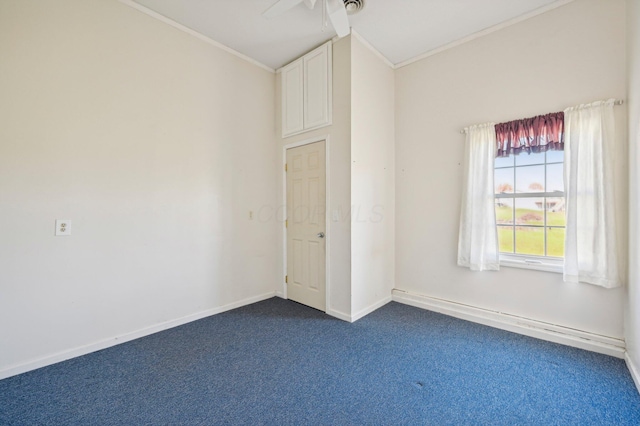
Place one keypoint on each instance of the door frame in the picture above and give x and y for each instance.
(327, 227)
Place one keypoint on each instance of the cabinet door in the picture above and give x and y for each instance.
(292, 98)
(316, 87)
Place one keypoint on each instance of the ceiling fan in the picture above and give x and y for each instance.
(333, 9)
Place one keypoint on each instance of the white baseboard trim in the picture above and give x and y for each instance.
(112, 341)
(366, 311)
(635, 373)
(529, 327)
(339, 315)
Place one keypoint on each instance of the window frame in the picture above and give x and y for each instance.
(528, 261)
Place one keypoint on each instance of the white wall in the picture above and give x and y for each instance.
(567, 56)
(632, 323)
(338, 232)
(156, 145)
(372, 179)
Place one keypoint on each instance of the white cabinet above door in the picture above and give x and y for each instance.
(306, 92)
(292, 98)
(316, 89)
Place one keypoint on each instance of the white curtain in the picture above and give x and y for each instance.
(590, 242)
(478, 238)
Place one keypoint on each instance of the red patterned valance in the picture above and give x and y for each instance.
(536, 134)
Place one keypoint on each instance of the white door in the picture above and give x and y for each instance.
(306, 245)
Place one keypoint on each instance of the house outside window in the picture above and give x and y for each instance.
(530, 209)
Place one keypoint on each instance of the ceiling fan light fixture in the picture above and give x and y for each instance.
(353, 6)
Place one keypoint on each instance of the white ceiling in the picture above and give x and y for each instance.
(399, 29)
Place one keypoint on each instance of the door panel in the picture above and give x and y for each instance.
(306, 250)
(292, 98)
(316, 90)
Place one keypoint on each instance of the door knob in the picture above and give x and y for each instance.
(320, 234)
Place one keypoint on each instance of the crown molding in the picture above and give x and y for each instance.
(196, 34)
(486, 31)
(369, 46)
(456, 43)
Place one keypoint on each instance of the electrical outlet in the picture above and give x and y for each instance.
(63, 227)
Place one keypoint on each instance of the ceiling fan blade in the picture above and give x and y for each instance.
(280, 7)
(338, 17)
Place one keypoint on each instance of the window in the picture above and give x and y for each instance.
(530, 209)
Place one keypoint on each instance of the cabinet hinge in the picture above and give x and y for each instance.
(286, 223)
(285, 167)
(286, 279)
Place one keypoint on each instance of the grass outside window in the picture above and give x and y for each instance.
(530, 204)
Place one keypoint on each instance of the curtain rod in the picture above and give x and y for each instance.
(616, 102)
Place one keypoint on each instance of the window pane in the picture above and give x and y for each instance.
(555, 242)
(534, 158)
(504, 210)
(530, 211)
(530, 179)
(531, 226)
(555, 156)
(505, 238)
(530, 241)
(555, 178)
(556, 212)
(503, 180)
(504, 161)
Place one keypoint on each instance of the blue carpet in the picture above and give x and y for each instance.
(279, 363)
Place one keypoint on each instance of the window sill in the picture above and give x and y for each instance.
(532, 262)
